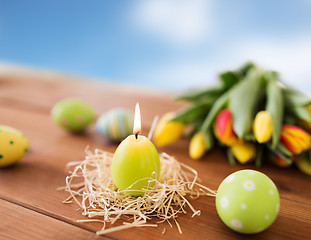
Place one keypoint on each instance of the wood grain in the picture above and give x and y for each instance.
(25, 103)
(17, 222)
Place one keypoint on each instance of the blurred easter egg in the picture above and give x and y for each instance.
(247, 201)
(73, 114)
(116, 124)
(13, 145)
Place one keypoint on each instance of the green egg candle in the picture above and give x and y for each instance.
(135, 162)
(247, 201)
(73, 114)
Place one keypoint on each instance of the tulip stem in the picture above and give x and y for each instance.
(258, 160)
(218, 105)
(230, 157)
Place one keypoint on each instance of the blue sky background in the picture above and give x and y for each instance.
(165, 44)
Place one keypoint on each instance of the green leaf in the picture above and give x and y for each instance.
(207, 99)
(208, 139)
(289, 119)
(300, 112)
(295, 104)
(229, 79)
(245, 68)
(218, 105)
(250, 137)
(198, 95)
(244, 98)
(281, 155)
(192, 113)
(275, 106)
(286, 158)
(280, 149)
(295, 97)
(283, 150)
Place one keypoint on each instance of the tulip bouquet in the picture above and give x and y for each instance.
(251, 113)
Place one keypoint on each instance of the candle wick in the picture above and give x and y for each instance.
(136, 135)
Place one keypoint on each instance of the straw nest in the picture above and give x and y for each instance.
(90, 186)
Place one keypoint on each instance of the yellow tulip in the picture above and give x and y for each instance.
(243, 151)
(303, 165)
(167, 131)
(197, 146)
(262, 126)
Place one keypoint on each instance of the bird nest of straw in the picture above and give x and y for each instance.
(90, 185)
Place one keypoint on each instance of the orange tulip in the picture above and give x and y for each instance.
(295, 139)
(281, 162)
(224, 127)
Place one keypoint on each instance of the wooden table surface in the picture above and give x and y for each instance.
(31, 208)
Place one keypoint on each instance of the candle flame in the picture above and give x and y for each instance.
(137, 120)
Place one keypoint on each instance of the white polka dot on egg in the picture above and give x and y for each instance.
(243, 206)
(224, 202)
(229, 178)
(236, 224)
(249, 185)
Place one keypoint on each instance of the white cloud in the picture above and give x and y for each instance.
(291, 57)
(178, 21)
(177, 76)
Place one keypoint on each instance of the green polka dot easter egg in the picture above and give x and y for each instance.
(13, 145)
(116, 124)
(73, 114)
(247, 201)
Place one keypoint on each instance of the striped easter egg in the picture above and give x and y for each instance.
(116, 124)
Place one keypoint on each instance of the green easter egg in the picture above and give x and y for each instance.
(247, 201)
(116, 124)
(72, 114)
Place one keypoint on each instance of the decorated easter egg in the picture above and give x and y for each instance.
(13, 145)
(247, 201)
(116, 124)
(72, 114)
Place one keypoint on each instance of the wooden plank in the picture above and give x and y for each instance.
(26, 92)
(42, 172)
(56, 143)
(20, 223)
(35, 178)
